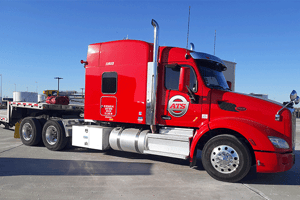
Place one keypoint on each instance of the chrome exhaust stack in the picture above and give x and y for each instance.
(152, 81)
(155, 44)
(155, 63)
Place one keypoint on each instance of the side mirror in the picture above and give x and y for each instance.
(297, 100)
(184, 79)
(229, 85)
(293, 95)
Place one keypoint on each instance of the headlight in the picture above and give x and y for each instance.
(279, 143)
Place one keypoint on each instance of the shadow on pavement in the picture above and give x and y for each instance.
(136, 156)
(291, 177)
(8, 129)
(48, 167)
(129, 155)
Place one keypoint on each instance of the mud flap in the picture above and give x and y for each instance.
(17, 127)
(193, 162)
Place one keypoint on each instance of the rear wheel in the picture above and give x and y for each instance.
(54, 137)
(30, 131)
(42, 121)
(226, 158)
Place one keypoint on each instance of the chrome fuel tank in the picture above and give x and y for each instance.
(132, 140)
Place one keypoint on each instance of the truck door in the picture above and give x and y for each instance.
(177, 107)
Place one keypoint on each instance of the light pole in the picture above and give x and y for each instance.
(58, 82)
(82, 91)
(15, 87)
(36, 86)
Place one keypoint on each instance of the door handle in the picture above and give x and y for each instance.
(165, 117)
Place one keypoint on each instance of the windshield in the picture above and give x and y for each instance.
(212, 74)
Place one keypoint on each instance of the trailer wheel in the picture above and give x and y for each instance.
(42, 121)
(6, 126)
(30, 131)
(54, 137)
(226, 158)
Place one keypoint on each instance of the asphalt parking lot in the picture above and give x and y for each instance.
(79, 173)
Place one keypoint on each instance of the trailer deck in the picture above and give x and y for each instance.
(12, 114)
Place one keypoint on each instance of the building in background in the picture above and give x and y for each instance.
(25, 96)
(230, 73)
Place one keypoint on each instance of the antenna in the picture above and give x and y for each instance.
(215, 42)
(187, 39)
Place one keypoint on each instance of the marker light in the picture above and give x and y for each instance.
(83, 62)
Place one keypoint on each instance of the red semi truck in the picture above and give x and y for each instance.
(171, 101)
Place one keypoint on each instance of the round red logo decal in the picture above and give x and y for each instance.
(178, 106)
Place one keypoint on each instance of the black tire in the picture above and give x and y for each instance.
(54, 137)
(30, 131)
(6, 126)
(42, 121)
(226, 158)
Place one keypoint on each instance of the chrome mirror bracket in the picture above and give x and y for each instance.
(294, 99)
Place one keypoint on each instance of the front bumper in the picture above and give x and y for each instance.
(270, 162)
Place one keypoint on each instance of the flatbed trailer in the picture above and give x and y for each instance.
(16, 111)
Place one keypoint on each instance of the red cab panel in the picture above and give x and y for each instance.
(116, 81)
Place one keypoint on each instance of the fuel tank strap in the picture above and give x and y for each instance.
(136, 141)
(119, 138)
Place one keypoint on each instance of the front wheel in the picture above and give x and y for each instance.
(54, 137)
(226, 158)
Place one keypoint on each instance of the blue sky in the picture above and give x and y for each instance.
(40, 40)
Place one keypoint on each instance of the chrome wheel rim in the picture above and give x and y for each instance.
(27, 131)
(224, 159)
(51, 135)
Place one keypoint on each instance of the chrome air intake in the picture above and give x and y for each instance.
(192, 47)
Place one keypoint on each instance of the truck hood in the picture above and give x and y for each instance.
(237, 106)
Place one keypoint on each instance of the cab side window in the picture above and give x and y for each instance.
(109, 82)
(172, 78)
(172, 74)
(193, 81)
